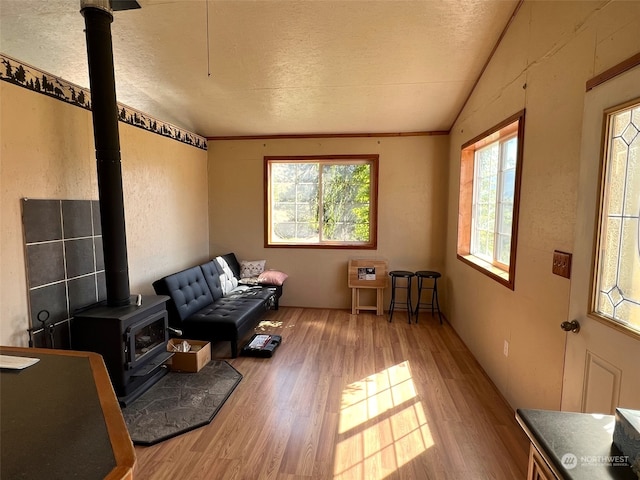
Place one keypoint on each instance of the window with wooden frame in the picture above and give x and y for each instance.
(325, 201)
(616, 291)
(490, 171)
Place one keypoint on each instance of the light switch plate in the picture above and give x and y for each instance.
(561, 264)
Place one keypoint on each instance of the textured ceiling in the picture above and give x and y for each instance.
(236, 68)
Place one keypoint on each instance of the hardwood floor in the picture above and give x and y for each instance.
(351, 397)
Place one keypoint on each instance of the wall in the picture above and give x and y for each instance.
(548, 54)
(411, 221)
(47, 152)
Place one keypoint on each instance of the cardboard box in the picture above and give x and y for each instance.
(191, 361)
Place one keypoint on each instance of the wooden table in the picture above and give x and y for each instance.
(60, 419)
(367, 274)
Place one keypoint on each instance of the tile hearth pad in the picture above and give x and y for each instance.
(180, 402)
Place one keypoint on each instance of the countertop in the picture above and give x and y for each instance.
(576, 446)
(61, 420)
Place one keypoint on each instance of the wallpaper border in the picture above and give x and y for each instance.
(39, 81)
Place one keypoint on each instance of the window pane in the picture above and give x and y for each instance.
(307, 172)
(284, 213)
(618, 272)
(284, 192)
(616, 180)
(609, 262)
(337, 231)
(505, 219)
(632, 197)
(487, 190)
(629, 265)
(484, 245)
(488, 246)
(482, 221)
(306, 214)
(283, 172)
(345, 200)
(629, 313)
(507, 185)
(306, 232)
(307, 193)
(294, 201)
(620, 122)
(510, 154)
(494, 184)
(504, 248)
(284, 231)
(487, 161)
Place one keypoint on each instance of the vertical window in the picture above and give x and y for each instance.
(322, 201)
(617, 277)
(490, 168)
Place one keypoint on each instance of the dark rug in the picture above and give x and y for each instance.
(180, 402)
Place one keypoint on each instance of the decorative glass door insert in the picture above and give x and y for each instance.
(617, 287)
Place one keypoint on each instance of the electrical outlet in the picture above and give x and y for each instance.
(561, 264)
(506, 348)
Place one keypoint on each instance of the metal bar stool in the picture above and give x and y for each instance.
(395, 276)
(428, 274)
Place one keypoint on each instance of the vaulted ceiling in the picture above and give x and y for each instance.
(270, 67)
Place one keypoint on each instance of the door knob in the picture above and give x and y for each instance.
(572, 326)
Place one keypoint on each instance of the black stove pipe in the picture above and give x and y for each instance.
(98, 18)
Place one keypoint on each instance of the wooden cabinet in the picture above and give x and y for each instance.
(538, 469)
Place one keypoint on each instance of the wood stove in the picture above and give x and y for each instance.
(130, 333)
(132, 340)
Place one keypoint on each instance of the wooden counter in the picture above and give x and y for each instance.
(60, 418)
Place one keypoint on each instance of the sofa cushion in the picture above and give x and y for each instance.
(232, 317)
(212, 271)
(188, 290)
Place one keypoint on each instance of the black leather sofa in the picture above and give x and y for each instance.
(207, 302)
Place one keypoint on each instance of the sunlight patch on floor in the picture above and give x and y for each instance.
(265, 324)
(382, 425)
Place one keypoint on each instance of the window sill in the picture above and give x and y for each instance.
(489, 270)
(349, 246)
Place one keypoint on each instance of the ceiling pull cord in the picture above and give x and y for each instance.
(208, 54)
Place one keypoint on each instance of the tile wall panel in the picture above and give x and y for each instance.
(65, 264)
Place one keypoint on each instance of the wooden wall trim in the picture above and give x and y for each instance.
(328, 135)
(614, 71)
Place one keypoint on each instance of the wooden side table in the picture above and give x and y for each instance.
(367, 274)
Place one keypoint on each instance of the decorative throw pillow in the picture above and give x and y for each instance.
(272, 277)
(251, 268)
